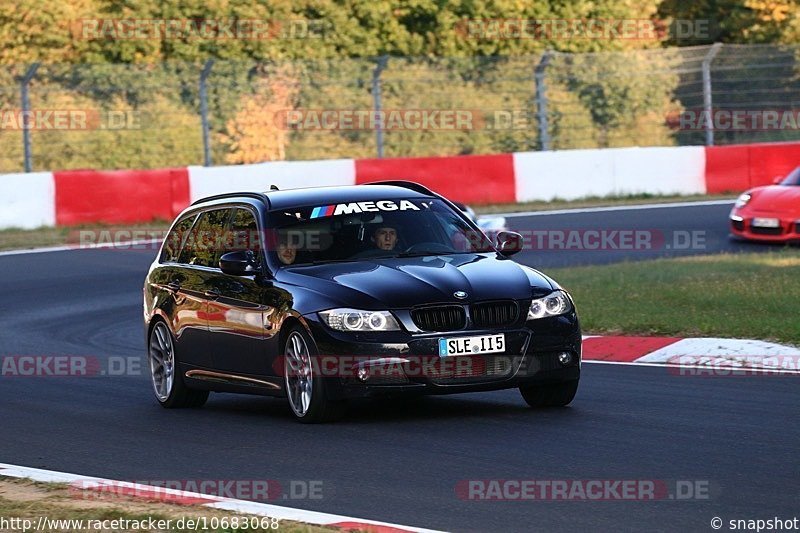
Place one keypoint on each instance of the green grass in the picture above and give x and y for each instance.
(594, 201)
(23, 499)
(21, 239)
(734, 295)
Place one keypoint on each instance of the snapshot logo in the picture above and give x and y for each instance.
(362, 207)
(736, 366)
(585, 29)
(736, 120)
(44, 366)
(173, 490)
(581, 489)
(69, 119)
(200, 29)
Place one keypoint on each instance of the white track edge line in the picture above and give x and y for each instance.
(631, 207)
(230, 504)
(46, 249)
(754, 369)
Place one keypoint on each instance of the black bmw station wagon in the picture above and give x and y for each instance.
(325, 294)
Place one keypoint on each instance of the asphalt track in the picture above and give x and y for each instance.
(399, 461)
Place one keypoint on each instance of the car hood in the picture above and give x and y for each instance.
(778, 199)
(406, 282)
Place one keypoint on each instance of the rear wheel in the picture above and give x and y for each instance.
(168, 385)
(550, 395)
(305, 390)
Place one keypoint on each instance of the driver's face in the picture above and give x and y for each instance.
(386, 238)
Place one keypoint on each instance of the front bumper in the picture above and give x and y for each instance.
(741, 225)
(395, 363)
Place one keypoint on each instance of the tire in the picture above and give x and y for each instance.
(552, 395)
(306, 393)
(168, 386)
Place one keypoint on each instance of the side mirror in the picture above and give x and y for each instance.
(777, 179)
(241, 263)
(509, 242)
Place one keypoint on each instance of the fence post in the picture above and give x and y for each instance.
(712, 53)
(204, 112)
(541, 100)
(376, 99)
(26, 109)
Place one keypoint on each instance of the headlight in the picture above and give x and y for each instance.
(742, 200)
(555, 303)
(355, 320)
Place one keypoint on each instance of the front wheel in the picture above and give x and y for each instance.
(168, 384)
(305, 390)
(550, 395)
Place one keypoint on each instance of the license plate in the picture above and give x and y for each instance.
(766, 222)
(472, 345)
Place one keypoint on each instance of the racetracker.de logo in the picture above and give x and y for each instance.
(585, 29)
(46, 366)
(709, 366)
(735, 120)
(581, 489)
(69, 119)
(174, 490)
(121, 29)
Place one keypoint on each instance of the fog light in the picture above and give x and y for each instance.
(362, 374)
(565, 358)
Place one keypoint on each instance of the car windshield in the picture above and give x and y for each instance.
(793, 178)
(396, 227)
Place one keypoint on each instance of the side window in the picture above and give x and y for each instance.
(243, 233)
(176, 238)
(206, 239)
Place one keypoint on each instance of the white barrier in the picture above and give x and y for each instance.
(571, 174)
(206, 181)
(27, 200)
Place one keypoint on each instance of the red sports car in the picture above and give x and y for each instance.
(770, 212)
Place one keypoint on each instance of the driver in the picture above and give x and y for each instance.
(385, 237)
(287, 250)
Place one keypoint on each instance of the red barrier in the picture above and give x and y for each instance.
(474, 179)
(736, 168)
(120, 196)
(767, 161)
(727, 169)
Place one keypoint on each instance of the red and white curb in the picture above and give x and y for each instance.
(72, 197)
(166, 495)
(694, 352)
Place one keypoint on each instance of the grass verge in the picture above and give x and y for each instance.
(22, 239)
(732, 295)
(28, 500)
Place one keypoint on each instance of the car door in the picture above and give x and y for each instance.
(191, 285)
(239, 306)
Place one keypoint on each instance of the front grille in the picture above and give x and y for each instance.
(766, 231)
(494, 314)
(439, 318)
(474, 369)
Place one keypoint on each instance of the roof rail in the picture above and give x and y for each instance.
(257, 195)
(412, 185)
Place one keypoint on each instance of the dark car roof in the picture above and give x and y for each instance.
(329, 195)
